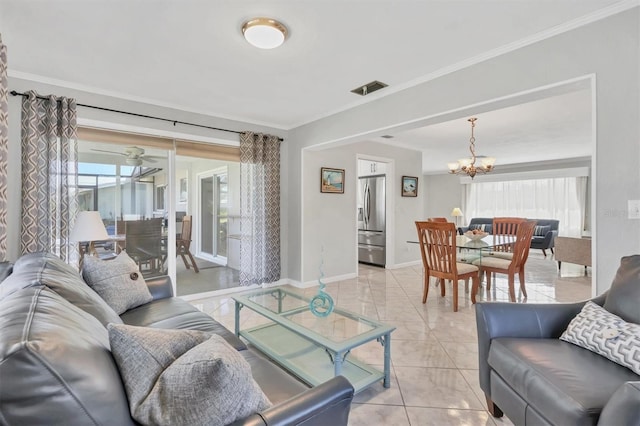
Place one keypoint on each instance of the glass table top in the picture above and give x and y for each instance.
(339, 330)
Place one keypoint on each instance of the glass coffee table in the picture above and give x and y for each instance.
(313, 348)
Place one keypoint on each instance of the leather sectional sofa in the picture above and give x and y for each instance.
(535, 378)
(541, 242)
(55, 367)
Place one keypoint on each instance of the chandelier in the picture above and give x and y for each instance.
(467, 166)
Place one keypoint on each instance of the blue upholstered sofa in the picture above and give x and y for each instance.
(543, 237)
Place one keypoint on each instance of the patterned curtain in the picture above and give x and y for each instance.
(49, 175)
(4, 149)
(259, 208)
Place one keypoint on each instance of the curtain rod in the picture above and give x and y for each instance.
(15, 93)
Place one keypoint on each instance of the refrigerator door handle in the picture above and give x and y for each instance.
(368, 203)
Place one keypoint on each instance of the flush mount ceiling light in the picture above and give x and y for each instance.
(467, 166)
(264, 33)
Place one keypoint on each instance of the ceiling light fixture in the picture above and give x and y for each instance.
(264, 33)
(467, 166)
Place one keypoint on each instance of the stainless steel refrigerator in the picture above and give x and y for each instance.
(372, 220)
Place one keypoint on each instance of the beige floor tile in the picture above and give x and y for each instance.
(374, 414)
(448, 417)
(436, 388)
(464, 355)
(419, 353)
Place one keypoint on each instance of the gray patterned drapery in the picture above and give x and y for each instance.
(49, 175)
(4, 148)
(259, 208)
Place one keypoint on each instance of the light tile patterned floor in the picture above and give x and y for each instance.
(434, 350)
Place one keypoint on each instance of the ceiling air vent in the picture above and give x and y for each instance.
(369, 88)
(387, 136)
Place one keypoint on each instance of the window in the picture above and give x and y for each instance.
(555, 198)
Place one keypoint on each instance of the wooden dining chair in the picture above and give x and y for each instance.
(183, 244)
(438, 219)
(511, 267)
(504, 230)
(438, 249)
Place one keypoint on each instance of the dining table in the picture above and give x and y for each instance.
(470, 250)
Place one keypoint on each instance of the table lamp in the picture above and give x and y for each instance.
(88, 228)
(456, 213)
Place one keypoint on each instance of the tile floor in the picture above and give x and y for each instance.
(433, 350)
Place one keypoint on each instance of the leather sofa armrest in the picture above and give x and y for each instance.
(160, 287)
(549, 239)
(623, 408)
(543, 321)
(326, 404)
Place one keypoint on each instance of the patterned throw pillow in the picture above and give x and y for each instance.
(541, 230)
(118, 281)
(606, 334)
(183, 377)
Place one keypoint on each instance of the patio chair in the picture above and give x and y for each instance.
(183, 244)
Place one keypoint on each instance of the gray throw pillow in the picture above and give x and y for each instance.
(118, 281)
(183, 377)
(541, 230)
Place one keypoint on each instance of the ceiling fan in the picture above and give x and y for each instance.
(134, 155)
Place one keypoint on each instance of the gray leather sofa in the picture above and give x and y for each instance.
(56, 367)
(541, 242)
(535, 378)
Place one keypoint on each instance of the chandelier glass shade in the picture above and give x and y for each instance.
(467, 166)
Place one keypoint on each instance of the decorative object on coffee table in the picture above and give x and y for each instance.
(321, 304)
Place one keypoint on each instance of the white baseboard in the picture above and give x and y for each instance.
(326, 280)
(404, 265)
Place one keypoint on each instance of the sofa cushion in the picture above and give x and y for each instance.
(623, 298)
(37, 269)
(184, 377)
(275, 382)
(55, 364)
(178, 314)
(118, 281)
(541, 230)
(570, 385)
(606, 334)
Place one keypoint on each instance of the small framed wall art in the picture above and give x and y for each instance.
(409, 186)
(332, 180)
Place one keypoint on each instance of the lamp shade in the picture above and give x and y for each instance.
(88, 227)
(456, 212)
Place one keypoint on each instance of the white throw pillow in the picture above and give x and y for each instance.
(606, 334)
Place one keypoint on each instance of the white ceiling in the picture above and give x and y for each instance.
(190, 55)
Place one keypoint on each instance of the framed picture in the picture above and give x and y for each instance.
(409, 186)
(332, 180)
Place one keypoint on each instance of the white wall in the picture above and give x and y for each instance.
(442, 194)
(608, 49)
(330, 220)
